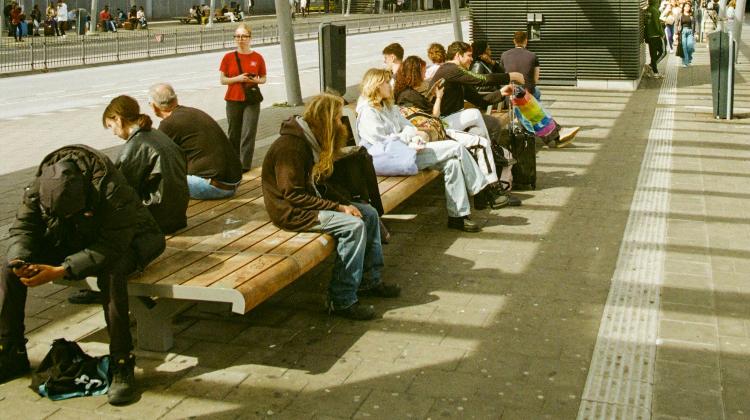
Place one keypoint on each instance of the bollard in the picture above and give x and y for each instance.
(83, 49)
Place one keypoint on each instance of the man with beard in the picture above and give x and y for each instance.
(301, 157)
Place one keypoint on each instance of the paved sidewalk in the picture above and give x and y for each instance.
(509, 323)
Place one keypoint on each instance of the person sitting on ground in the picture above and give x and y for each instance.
(436, 54)
(379, 120)
(393, 55)
(460, 86)
(409, 78)
(151, 162)
(482, 62)
(133, 17)
(141, 16)
(301, 156)
(107, 22)
(521, 60)
(79, 218)
(213, 167)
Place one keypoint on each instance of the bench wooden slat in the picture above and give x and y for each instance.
(406, 188)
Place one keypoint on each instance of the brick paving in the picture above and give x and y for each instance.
(500, 324)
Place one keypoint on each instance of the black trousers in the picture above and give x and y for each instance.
(243, 126)
(112, 281)
(656, 51)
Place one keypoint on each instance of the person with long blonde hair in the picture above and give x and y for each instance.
(302, 157)
(379, 120)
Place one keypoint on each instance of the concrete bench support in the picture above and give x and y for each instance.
(154, 321)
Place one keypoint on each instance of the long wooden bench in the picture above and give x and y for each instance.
(230, 252)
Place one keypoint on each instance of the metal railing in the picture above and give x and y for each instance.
(49, 52)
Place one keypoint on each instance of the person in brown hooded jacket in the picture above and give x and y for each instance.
(299, 159)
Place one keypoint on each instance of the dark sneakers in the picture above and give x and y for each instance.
(357, 312)
(489, 198)
(14, 361)
(463, 223)
(122, 389)
(513, 201)
(85, 297)
(382, 290)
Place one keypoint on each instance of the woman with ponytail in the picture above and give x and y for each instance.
(152, 163)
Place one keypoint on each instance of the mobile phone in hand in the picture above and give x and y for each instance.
(16, 264)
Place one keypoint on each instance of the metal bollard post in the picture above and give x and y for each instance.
(148, 43)
(44, 52)
(83, 49)
(201, 39)
(117, 46)
(32, 53)
(175, 41)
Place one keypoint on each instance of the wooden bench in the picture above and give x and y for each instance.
(231, 252)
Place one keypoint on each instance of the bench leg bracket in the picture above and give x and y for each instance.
(154, 321)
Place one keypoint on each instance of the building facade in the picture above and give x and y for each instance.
(587, 43)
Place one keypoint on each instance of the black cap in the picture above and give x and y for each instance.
(62, 189)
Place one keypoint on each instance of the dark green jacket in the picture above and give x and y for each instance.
(654, 27)
(113, 222)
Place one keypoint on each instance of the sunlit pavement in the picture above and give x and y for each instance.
(618, 290)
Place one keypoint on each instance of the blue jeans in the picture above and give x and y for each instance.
(537, 94)
(461, 174)
(688, 45)
(201, 189)
(359, 258)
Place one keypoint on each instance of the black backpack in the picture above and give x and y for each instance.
(68, 372)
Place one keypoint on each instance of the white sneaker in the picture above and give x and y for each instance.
(566, 137)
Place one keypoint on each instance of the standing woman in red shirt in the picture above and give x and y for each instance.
(242, 71)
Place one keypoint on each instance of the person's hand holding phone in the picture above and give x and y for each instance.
(22, 269)
(44, 274)
(244, 78)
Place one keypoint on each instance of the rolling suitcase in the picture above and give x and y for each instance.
(523, 148)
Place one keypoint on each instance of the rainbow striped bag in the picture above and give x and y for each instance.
(531, 114)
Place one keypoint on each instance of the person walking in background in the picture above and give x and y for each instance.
(654, 38)
(686, 29)
(62, 17)
(669, 20)
(242, 70)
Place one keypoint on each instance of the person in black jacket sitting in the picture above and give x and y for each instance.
(151, 162)
(79, 218)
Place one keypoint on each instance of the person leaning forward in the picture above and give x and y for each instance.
(213, 167)
(79, 218)
(301, 156)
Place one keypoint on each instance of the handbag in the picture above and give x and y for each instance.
(680, 52)
(393, 158)
(252, 92)
(423, 121)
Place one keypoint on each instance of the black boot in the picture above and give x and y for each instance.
(122, 389)
(14, 361)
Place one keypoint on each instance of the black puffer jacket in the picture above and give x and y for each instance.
(155, 166)
(113, 222)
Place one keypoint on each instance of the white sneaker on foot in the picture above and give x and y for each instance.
(566, 137)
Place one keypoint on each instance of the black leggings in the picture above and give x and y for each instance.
(656, 51)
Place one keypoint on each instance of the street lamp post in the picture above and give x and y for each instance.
(288, 52)
(456, 16)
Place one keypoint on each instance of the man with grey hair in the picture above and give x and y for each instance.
(214, 169)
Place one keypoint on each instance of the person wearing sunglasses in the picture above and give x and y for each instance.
(242, 70)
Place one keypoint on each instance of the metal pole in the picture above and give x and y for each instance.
(456, 16)
(94, 16)
(722, 15)
(211, 14)
(739, 20)
(2, 20)
(288, 52)
(149, 9)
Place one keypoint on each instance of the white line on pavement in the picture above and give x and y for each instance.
(621, 376)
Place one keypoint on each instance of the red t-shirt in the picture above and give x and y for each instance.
(251, 63)
(104, 15)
